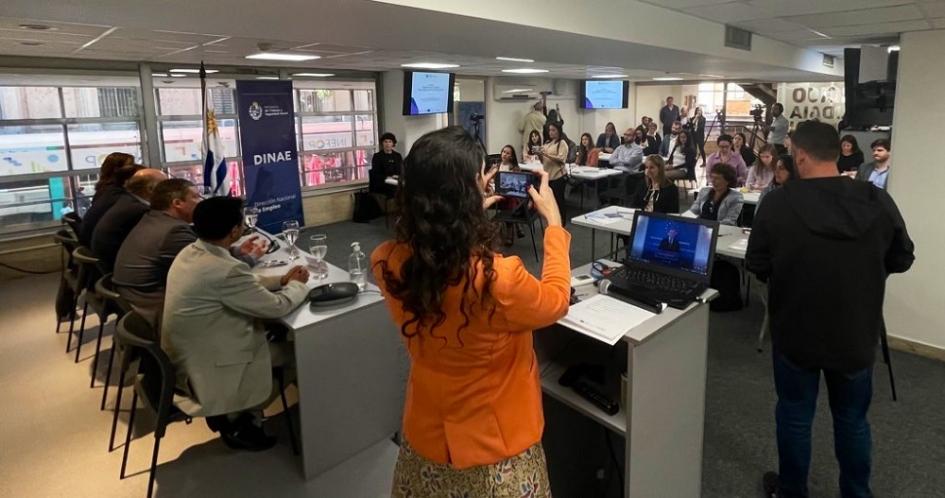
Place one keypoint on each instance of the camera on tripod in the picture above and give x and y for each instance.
(758, 113)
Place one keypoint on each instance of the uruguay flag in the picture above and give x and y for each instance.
(214, 165)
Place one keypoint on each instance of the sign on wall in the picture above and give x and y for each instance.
(267, 137)
(822, 101)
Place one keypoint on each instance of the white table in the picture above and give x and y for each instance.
(590, 174)
(751, 197)
(352, 371)
(603, 156)
(663, 419)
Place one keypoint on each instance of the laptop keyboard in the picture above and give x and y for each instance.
(660, 282)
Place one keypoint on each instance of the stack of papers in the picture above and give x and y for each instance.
(604, 318)
(739, 245)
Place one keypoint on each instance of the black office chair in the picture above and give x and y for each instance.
(68, 293)
(106, 302)
(88, 274)
(523, 215)
(155, 381)
(74, 221)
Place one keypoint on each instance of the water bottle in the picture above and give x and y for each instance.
(357, 265)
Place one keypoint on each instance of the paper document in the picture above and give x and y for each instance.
(739, 245)
(604, 318)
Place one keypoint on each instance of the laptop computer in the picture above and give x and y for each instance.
(669, 259)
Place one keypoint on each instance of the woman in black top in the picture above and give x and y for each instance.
(851, 157)
(740, 145)
(697, 128)
(656, 194)
(609, 140)
(386, 162)
(106, 175)
(653, 140)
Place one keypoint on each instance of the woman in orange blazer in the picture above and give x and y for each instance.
(473, 417)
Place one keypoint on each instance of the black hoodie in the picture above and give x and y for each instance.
(826, 246)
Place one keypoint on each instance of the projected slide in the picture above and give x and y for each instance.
(429, 93)
(603, 94)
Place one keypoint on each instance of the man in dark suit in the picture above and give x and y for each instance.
(104, 201)
(115, 225)
(140, 272)
(670, 242)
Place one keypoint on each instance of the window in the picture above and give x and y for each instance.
(52, 142)
(337, 135)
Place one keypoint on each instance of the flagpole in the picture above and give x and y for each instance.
(203, 122)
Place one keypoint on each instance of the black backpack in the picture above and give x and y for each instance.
(727, 280)
(366, 207)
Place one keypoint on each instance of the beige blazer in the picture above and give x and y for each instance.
(211, 332)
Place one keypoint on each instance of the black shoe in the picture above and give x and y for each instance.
(245, 435)
(770, 482)
(519, 233)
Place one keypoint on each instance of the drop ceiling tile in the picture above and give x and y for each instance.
(878, 28)
(60, 27)
(781, 8)
(43, 37)
(765, 27)
(859, 17)
(932, 9)
(938, 23)
(729, 13)
(683, 4)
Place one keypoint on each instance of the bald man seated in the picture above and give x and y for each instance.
(118, 222)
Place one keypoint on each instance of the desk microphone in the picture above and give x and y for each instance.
(608, 288)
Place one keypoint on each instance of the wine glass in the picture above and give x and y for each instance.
(290, 232)
(251, 215)
(318, 249)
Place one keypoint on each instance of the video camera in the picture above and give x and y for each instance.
(758, 113)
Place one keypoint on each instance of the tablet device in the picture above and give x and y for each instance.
(515, 183)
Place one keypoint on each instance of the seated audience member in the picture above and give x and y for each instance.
(876, 172)
(653, 140)
(719, 201)
(212, 331)
(628, 156)
(726, 155)
(783, 173)
(681, 158)
(146, 255)
(587, 154)
(466, 314)
(851, 157)
(386, 162)
(118, 222)
(530, 152)
(762, 172)
(645, 124)
(609, 140)
(510, 205)
(657, 193)
(786, 143)
(669, 141)
(508, 160)
(740, 146)
(117, 168)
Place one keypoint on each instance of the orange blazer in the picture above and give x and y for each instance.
(474, 396)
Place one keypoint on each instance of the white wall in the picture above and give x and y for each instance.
(914, 301)
(407, 129)
(503, 118)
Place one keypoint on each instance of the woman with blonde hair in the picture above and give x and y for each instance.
(657, 193)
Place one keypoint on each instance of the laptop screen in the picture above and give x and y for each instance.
(673, 243)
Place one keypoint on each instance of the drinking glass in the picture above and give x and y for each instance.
(290, 232)
(318, 248)
(251, 216)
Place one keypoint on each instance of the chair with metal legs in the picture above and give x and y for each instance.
(106, 302)
(87, 276)
(155, 380)
(524, 214)
(68, 279)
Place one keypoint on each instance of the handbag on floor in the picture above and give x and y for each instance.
(727, 280)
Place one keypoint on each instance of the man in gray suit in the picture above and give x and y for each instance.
(877, 172)
(212, 328)
(147, 253)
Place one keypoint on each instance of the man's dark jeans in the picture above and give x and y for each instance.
(850, 394)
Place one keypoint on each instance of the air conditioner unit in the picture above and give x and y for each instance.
(505, 89)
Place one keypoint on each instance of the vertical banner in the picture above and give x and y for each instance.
(270, 162)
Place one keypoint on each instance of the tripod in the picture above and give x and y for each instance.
(477, 130)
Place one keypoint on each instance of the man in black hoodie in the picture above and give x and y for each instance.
(825, 244)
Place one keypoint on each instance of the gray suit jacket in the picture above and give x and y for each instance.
(729, 209)
(211, 330)
(864, 172)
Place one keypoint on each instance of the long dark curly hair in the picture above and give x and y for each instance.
(443, 223)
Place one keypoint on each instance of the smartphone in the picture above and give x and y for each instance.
(536, 149)
(515, 183)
